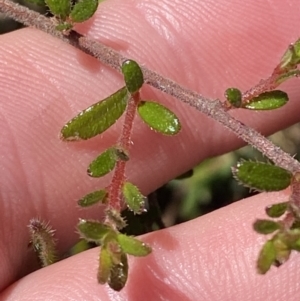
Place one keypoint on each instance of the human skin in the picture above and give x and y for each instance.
(206, 46)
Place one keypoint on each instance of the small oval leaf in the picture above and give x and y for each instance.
(134, 199)
(133, 246)
(59, 8)
(133, 76)
(267, 101)
(93, 198)
(264, 226)
(262, 176)
(234, 97)
(83, 10)
(92, 230)
(105, 266)
(266, 258)
(97, 118)
(159, 118)
(103, 164)
(119, 274)
(277, 210)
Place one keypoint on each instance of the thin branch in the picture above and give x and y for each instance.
(115, 189)
(108, 56)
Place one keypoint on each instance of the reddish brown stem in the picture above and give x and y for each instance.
(263, 86)
(295, 195)
(115, 188)
(288, 220)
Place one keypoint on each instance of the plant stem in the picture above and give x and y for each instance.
(108, 56)
(262, 86)
(295, 195)
(43, 241)
(115, 188)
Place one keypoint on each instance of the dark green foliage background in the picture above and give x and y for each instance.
(7, 25)
(212, 185)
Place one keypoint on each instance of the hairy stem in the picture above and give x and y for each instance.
(42, 241)
(262, 86)
(115, 189)
(108, 56)
(295, 195)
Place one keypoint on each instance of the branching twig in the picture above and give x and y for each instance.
(108, 56)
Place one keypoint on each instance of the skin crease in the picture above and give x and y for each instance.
(207, 46)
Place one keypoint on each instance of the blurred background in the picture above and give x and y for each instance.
(7, 25)
(210, 187)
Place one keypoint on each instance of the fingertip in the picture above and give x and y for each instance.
(212, 258)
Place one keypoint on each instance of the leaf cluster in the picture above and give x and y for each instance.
(115, 246)
(96, 119)
(262, 176)
(286, 232)
(67, 13)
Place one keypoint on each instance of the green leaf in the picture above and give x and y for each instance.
(97, 118)
(264, 226)
(83, 10)
(296, 224)
(267, 101)
(103, 164)
(118, 274)
(92, 230)
(287, 75)
(133, 76)
(59, 8)
(295, 243)
(266, 258)
(291, 57)
(93, 198)
(290, 238)
(64, 26)
(81, 246)
(277, 210)
(262, 176)
(234, 96)
(282, 250)
(133, 246)
(134, 199)
(159, 118)
(105, 266)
